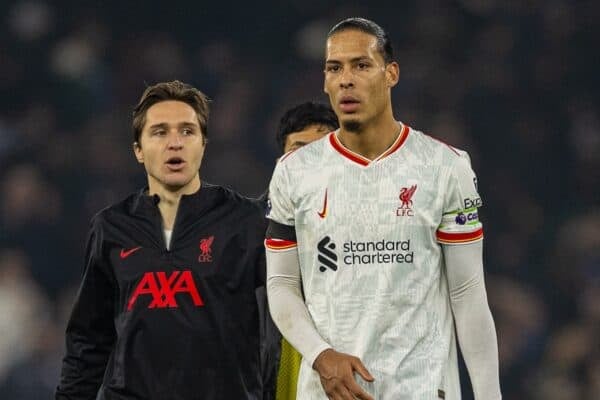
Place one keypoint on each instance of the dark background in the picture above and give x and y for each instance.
(515, 83)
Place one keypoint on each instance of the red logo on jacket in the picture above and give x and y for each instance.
(406, 194)
(163, 288)
(205, 249)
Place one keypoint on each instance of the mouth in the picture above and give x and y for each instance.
(349, 104)
(175, 163)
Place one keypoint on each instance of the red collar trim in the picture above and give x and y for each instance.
(357, 158)
(397, 144)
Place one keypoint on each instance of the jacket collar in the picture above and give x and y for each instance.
(203, 199)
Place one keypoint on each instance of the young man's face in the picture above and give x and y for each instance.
(171, 146)
(357, 79)
(309, 134)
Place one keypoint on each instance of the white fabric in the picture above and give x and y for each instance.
(168, 233)
(288, 310)
(373, 273)
(473, 319)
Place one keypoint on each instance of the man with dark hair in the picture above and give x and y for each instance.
(303, 124)
(167, 306)
(173, 91)
(298, 127)
(374, 248)
(382, 40)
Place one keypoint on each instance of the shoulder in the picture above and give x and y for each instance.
(247, 205)
(244, 214)
(103, 222)
(436, 150)
(308, 153)
(121, 208)
(308, 160)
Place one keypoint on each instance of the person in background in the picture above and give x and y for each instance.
(299, 126)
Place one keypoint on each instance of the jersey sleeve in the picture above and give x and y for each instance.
(90, 334)
(280, 205)
(460, 220)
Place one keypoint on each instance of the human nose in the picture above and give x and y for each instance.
(346, 78)
(175, 141)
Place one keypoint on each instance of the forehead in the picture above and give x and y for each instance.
(170, 111)
(305, 136)
(311, 131)
(351, 43)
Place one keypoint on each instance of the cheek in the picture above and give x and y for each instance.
(379, 92)
(149, 157)
(329, 86)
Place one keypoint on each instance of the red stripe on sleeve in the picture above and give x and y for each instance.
(279, 244)
(459, 237)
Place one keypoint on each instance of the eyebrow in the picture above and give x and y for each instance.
(325, 128)
(164, 125)
(298, 143)
(352, 60)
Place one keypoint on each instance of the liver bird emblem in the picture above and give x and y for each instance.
(406, 195)
(205, 245)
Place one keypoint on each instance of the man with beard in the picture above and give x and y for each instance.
(377, 320)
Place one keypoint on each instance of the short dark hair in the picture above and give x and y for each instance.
(302, 116)
(174, 90)
(384, 43)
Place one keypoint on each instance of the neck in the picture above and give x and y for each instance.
(170, 198)
(372, 139)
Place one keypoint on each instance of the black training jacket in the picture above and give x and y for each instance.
(151, 323)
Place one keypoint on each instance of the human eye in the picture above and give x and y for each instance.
(332, 68)
(362, 65)
(187, 131)
(159, 132)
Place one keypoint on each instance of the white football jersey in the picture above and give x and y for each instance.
(368, 236)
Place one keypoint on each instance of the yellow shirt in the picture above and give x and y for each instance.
(287, 376)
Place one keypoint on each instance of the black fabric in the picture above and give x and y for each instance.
(270, 345)
(271, 337)
(164, 344)
(276, 230)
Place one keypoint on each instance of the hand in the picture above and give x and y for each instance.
(337, 375)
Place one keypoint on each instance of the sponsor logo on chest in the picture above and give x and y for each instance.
(162, 287)
(356, 253)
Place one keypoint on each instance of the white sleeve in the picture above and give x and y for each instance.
(280, 205)
(284, 293)
(286, 303)
(473, 319)
(460, 220)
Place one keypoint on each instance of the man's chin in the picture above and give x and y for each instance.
(352, 125)
(176, 184)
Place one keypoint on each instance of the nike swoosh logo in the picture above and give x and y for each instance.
(323, 213)
(126, 253)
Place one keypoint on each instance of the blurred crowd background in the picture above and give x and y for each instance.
(516, 83)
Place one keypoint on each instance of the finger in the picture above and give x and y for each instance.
(359, 367)
(342, 393)
(357, 391)
(336, 390)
